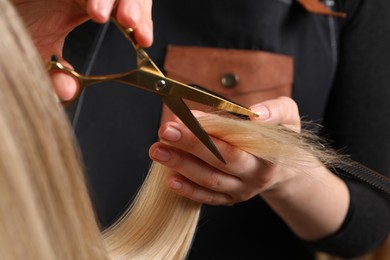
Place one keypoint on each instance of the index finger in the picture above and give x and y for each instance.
(137, 14)
(100, 11)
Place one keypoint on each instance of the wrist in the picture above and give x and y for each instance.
(305, 202)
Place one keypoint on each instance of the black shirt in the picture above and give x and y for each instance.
(340, 79)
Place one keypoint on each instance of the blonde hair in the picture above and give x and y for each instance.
(161, 224)
(44, 200)
(45, 209)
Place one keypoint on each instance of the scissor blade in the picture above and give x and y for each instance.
(143, 78)
(180, 109)
(207, 98)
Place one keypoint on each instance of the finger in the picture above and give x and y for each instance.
(64, 85)
(190, 190)
(176, 134)
(144, 34)
(283, 111)
(136, 14)
(195, 169)
(100, 10)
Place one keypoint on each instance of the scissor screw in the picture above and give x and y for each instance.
(161, 84)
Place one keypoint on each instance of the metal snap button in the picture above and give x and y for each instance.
(229, 80)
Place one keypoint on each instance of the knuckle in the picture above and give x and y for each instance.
(283, 109)
(192, 140)
(243, 196)
(176, 161)
(213, 180)
(210, 199)
(287, 113)
(230, 153)
(191, 193)
(238, 161)
(288, 106)
(229, 201)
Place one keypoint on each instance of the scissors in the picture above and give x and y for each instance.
(148, 76)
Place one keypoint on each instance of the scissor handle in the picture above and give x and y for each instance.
(82, 80)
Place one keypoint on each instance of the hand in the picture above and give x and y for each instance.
(204, 178)
(199, 176)
(50, 21)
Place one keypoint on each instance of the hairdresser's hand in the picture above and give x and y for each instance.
(303, 198)
(50, 21)
(203, 178)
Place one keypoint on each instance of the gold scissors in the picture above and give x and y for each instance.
(149, 77)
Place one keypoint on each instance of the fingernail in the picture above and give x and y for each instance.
(171, 134)
(262, 111)
(161, 155)
(175, 185)
(134, 13)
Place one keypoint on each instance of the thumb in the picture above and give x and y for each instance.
(64, 85)
(282, 111)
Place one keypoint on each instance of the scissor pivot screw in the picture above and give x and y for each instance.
(161, 84)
